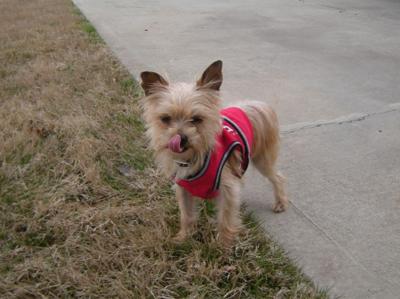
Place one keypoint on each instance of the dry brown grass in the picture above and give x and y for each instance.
(82, 212)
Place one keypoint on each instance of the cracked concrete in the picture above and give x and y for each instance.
(331, 69)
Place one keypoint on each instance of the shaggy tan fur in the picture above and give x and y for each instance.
(192, 110)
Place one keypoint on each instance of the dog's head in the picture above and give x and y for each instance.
(182, 119)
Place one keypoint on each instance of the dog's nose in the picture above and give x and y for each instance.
(184, 140)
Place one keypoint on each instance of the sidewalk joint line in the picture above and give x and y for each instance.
(354, 117)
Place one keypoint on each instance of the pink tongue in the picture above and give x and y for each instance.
(174, 144)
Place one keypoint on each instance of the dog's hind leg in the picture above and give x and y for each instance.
(267, 168)
(266, 149)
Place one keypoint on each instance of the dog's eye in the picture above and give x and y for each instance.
(196, 120)
(166, 119)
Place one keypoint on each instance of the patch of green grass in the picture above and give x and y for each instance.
(136, 155)
(132, 120)
(180, 250)
(91, 31)
(210, 253)
(4, 268)
(7, 199)
(39, 239)
(139, 160)
(87, 27)
(182, 292)
(165, 191)
(3, 235)
(112, 181)
(15, 89)
(26, 159)
(209, 207)
(131, 86)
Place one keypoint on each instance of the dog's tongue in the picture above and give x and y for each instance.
(174, 144)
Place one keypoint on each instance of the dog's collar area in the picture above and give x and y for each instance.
(182, 163)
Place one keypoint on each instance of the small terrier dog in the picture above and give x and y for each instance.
(206, 150)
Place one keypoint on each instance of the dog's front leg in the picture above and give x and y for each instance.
(228, 203)
(188, 215)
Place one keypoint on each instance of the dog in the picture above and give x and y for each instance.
(205, 149)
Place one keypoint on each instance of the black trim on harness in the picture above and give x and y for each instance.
(243, 137)
(202, 169)
(222, 164)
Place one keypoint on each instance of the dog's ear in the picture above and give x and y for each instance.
(152, 81)
(212, 76)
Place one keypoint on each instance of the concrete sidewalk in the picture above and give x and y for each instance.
(332, 71)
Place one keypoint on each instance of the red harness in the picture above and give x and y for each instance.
(237, 134)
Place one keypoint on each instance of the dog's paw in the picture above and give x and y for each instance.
(280, 206)
(226, 241)
(227, 236)
(180, 237)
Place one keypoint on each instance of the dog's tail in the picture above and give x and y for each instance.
(265, 127)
